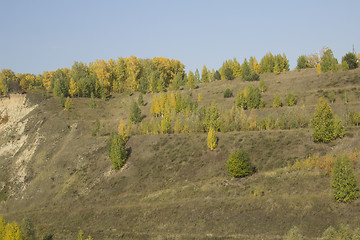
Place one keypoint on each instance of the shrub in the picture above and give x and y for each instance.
(228, 93)
(291, 99)
(68, 104)
(277, 101)
(117, 151)
(343, 180)
(141, 100)
(262, 86)
(96, 128)
(239, 164)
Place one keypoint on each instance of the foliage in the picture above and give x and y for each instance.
(239, 164)
(247, 74)
(277, 100)
(92, 101)
(228, 93)
(276, 64)
(344, 66)
(28, 230)
(351, 60)
(228, 74)
(117, 151)
(197, 76)
(68, 104)
(291, 99)
(212, 118)
(205, 75)
(324, 125)
(352, 118)
(230, 69)
(212, 139)
(249, 98)
(343, 180)
(217, 75)
(134, 113)
(191, 80)
(328, 61)
(303, 62)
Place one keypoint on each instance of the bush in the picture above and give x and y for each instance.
(277, 100)
(117, 151)
(141, 100)
(228, 93)
(68, 104)
(343, 180)
(96, 128)
(291, 99)
(239, 164)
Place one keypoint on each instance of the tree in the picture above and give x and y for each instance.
(80, 235)
(191, 80)
(73, 88)
(134, 113)
(239, 164)
(197, 76)
(117, 151)
(228, 73)
(212, 139)
(68, 104)
(12, 232)
(328, 61)
(277, 100)
(351, 60)
(262, 86)
(343, 180)
(323, 123)
(302, 62)
(205, 75)
(217, 75)
(92, 101)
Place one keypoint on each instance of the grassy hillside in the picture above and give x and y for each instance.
(173, 186)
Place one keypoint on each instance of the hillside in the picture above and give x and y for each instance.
(172, 187)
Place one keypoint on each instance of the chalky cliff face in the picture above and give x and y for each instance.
(16, 146)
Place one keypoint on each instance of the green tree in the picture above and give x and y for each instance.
(239, 164)
(68, 104)
(134, 113)
(92, 101)
(262, 86)
(212, 139)
(302, 62)
(323, 123)
(328, 61)
(217, 75)
(344, 66)
(343, 180)
(351, 60)
(253, 97)
(117, 151)
(228, 73)
(212, 118)
(197, 76)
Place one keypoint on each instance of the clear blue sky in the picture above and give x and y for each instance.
(37, 36)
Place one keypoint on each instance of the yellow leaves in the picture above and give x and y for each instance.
(123, 130)
(73, 88)
(212, 139)
(103, 72)
(47, 79)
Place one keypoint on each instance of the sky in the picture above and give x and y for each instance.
(38, 36)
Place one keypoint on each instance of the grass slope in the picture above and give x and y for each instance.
(173, 186)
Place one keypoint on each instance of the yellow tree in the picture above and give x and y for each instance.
(47, 79)
(212, 139)
(133, 68)
(2, 227)
(12, 232)
(73, 88)
(122, 130)
(103, 73)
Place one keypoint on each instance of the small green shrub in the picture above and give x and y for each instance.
(228, 93)
(291, 99)
(277, 101)
(343, 180)
(96, 128)
(239, 164)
